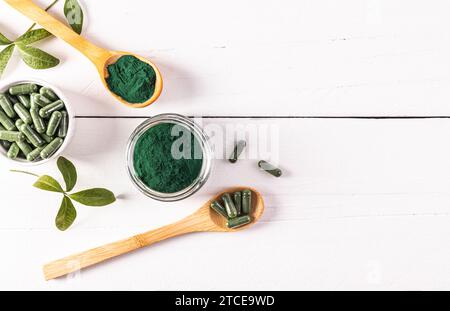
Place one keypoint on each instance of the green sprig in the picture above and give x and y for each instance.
(67, 212)
(32, 56)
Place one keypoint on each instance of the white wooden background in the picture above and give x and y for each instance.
(364, 203)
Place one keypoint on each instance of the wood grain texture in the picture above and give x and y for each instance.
(369, 57)
(363, 204)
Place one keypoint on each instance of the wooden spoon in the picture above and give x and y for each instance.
(101, 58)
(204, 219)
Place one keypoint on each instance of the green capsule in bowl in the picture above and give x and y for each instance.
(27, 139)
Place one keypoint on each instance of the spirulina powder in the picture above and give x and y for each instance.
(131, 79)
(162, 167)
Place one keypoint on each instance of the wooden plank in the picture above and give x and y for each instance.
(300, 58)
(363, 204)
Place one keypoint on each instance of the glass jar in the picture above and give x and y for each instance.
(198, 133)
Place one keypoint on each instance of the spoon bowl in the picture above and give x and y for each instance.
(220, 223)
(203, 220)
(104, 74)
(100, 57)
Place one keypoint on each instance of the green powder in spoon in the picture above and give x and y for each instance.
(131, 79)
(159, 165)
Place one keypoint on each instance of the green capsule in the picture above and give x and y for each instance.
(51, 148)
(246, 202)
(25, 147)
(5, 144)
(25, 100)
(269, 168)
(23, 89)
(13, 151)
(23, 113)
(238, 148)
(33, 104)
(36, 153)
(219, 209)
(229, 205)
(32, 135)
(46, 111)
(38, 122)
(11, 136)
(39, 100)
(239, 221)
(237, 197)
(47, 138)
(54, 122)
(64, 125)
(19, 122)
(7, 106)
(48, 93)
(7, 123)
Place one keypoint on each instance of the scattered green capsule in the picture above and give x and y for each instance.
(51, 148)
(238, 148)
(7, 106)
(13, 151)
(23, 89)
(229, 205)
(7, 123)
(25, 147)
(39, 100)
(46, 111)
(23, 113)
(25, 100)
(54, 122)
(269, 168)
(32, 135)
(64, 125)
(47, 138)
(38, 122)
(237, 196)
(5, 144)
(239, 221)
(11, 136)
(219, 209)
(48, 93)
(246, 202)
(36, 153)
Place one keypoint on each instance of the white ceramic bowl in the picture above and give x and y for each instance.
(5, 85)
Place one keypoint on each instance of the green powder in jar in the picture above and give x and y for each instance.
(131, 79)
(168, 158)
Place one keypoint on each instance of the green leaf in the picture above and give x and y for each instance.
(48, 183)
(32, 36)
(66, 214)
(68, 172)
(36, 58)
(94, 197)
(5, 56)
(4, 40)
(74, 15)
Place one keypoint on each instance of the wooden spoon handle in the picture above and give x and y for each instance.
(27, 7)
(96, 255)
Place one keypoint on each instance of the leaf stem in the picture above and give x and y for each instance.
(46, 9)
(24, 172)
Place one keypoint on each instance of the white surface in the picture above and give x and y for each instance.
(363, 204)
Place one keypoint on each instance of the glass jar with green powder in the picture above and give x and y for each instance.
(169, 157)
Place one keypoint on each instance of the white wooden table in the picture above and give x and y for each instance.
(364, 203)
